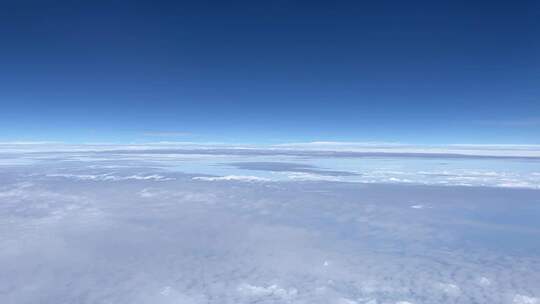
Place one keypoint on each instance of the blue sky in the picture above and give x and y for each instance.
(431, 72)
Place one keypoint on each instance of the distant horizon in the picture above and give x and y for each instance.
(275, 143)
(345, 149)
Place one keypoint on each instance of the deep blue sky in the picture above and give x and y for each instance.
(270, 71)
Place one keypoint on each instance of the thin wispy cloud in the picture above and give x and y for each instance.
(167, 134)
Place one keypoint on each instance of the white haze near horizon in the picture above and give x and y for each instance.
(175, 224)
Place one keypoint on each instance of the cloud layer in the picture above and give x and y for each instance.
(135, 229)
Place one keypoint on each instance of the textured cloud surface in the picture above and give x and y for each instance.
(133, 228)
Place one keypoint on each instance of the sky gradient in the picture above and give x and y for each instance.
(270, 72)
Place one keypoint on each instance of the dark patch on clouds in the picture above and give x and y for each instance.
(289, 167)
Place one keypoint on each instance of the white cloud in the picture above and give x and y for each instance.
(270, 291)
(165, 291)
(111, 177)
(242, 178)
(518, 184)
(346, 301)
(449, 289)
(521, 299)
(500, 150)
(192, 235)
(484, 281)
(300, 176)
